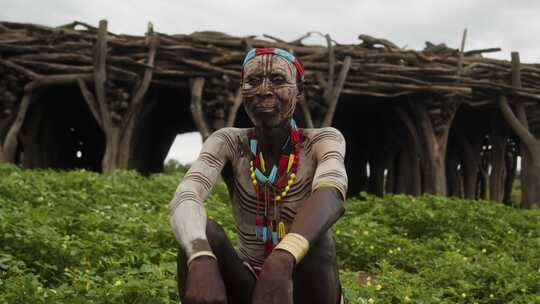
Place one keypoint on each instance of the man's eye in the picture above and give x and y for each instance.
(278, 80)
(254, 81)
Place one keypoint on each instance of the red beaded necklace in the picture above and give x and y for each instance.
(273, 185)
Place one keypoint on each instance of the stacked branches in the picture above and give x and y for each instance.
(378, 68)
(114, 73)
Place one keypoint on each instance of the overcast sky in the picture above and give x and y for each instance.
(510, 25)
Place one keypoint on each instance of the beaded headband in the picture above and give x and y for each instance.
(278, 52)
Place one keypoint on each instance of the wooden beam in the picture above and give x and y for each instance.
(10, 142)
(145, 84)
(307, 114)
(26, 72)
(100, 72)
(521, 131)
(197, 85)
(516, 70)
(331, 65)
(233, 110)
(45, 81)
(91, 102)
(336, 92)
(461, 54)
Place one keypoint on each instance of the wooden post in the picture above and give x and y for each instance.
(498, 168)
(511, 168)
(470, 151)
(413, 154)
(137, 104)
(376, 172)
(306, 112)
(336, 92)
(118, 132)
(197, 85)
(390, 184)
(454, 182)
(233, 110)
(530, 146)
(9, 147)
(433, 150)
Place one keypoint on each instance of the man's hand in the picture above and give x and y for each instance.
(204, 284)
(275, 281)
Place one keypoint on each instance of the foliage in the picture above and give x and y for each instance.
(173, 166)
(81, 237)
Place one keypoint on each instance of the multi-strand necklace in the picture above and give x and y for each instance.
(272, 185)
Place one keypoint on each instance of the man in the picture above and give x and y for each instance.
(288, 187)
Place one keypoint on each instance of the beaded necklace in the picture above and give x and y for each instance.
(273, 187)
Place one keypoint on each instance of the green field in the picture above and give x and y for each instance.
(80, 237)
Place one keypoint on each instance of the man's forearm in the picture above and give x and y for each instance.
(318, 213)
(188, 222)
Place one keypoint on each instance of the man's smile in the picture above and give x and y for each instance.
(265, 109)
(265, 106)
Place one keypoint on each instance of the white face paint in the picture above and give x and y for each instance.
(270, 90)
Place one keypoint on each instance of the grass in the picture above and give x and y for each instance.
(81, 237)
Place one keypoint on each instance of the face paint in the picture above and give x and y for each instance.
(269, 89)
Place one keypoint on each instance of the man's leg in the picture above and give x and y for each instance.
(316, 278)
(238, 280)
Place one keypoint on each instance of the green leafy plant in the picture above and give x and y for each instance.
(81, 237)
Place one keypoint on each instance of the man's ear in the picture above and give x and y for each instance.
(300, 86)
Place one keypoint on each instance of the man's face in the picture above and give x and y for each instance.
(270, 90)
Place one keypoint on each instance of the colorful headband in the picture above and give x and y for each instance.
(279, 52)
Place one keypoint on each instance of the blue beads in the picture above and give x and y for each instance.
(265, 234)
(260, 176)
(253, 146)
(272, 176)
(293, 124)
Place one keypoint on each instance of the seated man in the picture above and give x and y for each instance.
(287, 187)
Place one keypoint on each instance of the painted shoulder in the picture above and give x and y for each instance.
(234, 140)
(314, 136)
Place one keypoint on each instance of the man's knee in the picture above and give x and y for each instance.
(215, 234)
(321, 254)
(317, 268)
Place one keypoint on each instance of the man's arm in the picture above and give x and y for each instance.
(187, 213)
(325, 205)
(203, 283)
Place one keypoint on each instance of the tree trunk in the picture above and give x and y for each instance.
(530, 191)
(511, 167)
(363, 176)
(470, 175)
(434, 151)
(498, 150)
(119, 132)
(533, 200)
(8, 150)
(196, 87)
(376, 175)
(483, 178)
(454, 185)
(530, 145)
(390, 185)
(415, 186)
(403, 170)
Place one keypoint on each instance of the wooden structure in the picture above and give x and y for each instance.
(440, 120)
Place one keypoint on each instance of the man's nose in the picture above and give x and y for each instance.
(265, 90)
